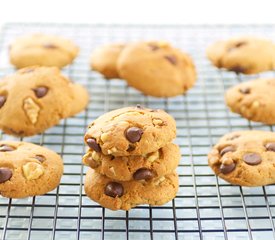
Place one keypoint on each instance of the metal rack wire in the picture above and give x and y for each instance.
(205, 207)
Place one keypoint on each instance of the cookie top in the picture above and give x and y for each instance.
(42, 50)
(104, 59)
(245, 158)
(131, 131)
(246, 54)
(156, 68)
(152, 165)
(36, 98)
(126, 195)
(27, 169)
(253, 100)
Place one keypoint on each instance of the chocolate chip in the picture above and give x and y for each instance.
(93, 144)
(227, 168)
(40, 91)
(40, 158)
(270, 147)
(143, 174)
(153, 47)
(49, 46)
(245, 90)
(131, 148)
(237, 69)
(237, 45)
(2, 100)
(252, 158)
(5, 174)
(6, 148)
(171, 59)
(226, 150)
(133, 134)
(114, 189)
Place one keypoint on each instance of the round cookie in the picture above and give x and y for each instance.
(156, 69)
(131, 131)
(36, 98)
(152, 165)
(253, 100)
(246, 55)
(245, 158)
(42, 50)
(126, 195)
(104, 59)
(28, 170)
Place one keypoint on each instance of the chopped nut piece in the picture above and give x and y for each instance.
(33, 170)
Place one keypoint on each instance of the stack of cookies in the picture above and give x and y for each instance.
(132, 158)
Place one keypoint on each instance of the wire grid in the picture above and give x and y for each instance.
(205, 207)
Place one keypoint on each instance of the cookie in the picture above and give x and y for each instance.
(152, 165)
(36, 98)
(27, 169)
(253, 100)
(248, 55)
(42, 50)
(156, 69)
(245, 158)
(104, 59)
(131, 131)
(117, 195)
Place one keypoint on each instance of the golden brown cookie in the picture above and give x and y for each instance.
(36, 98)
(28, 170)
(131, 131)
(104, 59)
(246, 55)
(245, 158)
(42, 50)
(117, 195)
(253, 100)
(152, 165)
(156, 68)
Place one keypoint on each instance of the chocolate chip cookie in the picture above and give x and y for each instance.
(253, 100)
(131, 131)
(104, 59)
(27, 169)
(117, 195)
(152, 165)
(36, 98)
(248, 55)
(156, 68)
(245, 158)
(42, 50)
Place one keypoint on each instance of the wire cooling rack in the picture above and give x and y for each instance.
(205, 207)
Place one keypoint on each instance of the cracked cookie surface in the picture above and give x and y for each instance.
(156, 68)
(27, 169)
(36, 98)
(117, 195)
(245, 158)
(152, 165)
(131, 131)
(42, 50)
(253, 100)
(104, 59)
(248, 55)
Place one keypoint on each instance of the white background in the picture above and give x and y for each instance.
(139, 11)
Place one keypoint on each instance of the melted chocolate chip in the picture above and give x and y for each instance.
(172, 59)
(270, 146)
(143, 174)
(49, 46)
(93, 144)
(225, 169)
(131, 148)
(5, 174)
(226, 150)
(40, 91)
(114, 189)
(40, 158)
(245, 90)
(6, 148)
(237, 45)
(237, 69)
(2, 100)
(153, 47)
(252, 158)
(133, 134)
